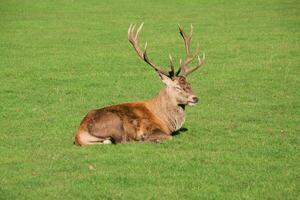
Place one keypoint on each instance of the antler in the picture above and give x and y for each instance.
(142, 53)
(184, 70)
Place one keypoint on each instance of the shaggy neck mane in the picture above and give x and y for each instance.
(167, 110)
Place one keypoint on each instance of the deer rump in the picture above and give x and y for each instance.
(121, 123)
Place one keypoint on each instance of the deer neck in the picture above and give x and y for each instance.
(165, 107)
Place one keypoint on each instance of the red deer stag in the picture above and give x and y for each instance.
(152, 120)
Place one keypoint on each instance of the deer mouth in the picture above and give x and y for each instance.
(192, 103)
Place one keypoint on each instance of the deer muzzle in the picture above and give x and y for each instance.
(193, 100)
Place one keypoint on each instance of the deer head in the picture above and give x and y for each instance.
(178, 88)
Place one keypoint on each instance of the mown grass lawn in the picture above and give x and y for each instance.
(59, 59)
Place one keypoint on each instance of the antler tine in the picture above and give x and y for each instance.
(142, 53)
(191, 31)
(184, 71)
(186, 39)
(200, 63)
(172, 72)
(129, 30)
(191, 58)
(138, 30)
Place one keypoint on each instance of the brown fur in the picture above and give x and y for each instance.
(123, 123)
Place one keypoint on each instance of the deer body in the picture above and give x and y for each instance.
(151, 120)
(147, 121)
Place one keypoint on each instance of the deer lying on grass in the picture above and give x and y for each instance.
(152, 120)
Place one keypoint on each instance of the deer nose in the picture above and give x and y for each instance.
(195, 99)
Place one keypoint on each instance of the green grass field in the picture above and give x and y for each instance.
(59, 59)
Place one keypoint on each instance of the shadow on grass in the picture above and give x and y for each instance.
(180, 131)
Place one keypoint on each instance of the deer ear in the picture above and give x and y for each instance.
(165, 79)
